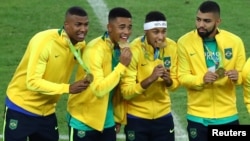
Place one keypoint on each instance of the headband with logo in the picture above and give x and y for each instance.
(155, 24)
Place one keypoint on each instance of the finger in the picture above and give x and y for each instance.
(126, 50)
(160, 66)
(215, 75)
(167, 69)
(126, 53)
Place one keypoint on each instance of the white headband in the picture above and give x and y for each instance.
(155, 24)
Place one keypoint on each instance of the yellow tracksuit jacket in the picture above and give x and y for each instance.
(90, 106)
(153, 102)
(43, 73)
(215, 100)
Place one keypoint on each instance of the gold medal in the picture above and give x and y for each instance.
(221, 72)
(123, 44)
(89, 77)
(160, 44)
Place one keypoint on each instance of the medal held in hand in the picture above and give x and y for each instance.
(123, 44)
(89, 77)
(217, 61)
(221, 72)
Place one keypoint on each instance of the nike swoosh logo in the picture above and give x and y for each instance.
(56, 56)
(143, 64)
(191, 54)
(171, 131)
(56, 128)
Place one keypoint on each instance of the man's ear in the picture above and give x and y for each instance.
(218, 22)
(65, 25)
(109, 28)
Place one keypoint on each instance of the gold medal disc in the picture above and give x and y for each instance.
(123, 44)
(220, 72)
(89, 77)
(161, 44)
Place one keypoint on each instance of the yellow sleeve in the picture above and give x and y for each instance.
(40, 49)
(246, 84)
(185, 77)
(173, 69)
(98, 58)
(130, 87)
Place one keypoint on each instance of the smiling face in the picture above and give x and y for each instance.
(119, 29)
(76, 27)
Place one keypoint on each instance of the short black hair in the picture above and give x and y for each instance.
(76, 10)
(209, 6)
(155, 16)
(119, 12)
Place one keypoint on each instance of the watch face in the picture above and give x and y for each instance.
(89, 77)
(221, 72)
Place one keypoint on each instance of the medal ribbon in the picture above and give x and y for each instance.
(156, 51)
(77, 54)
(215, 59)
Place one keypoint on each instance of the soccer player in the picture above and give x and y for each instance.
(210, 61)
(145, 85)
(90, 114)
(42, 77)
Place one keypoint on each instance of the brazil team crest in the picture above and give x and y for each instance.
(228, 53)
(131, 135)
(81, 133)
(13, 124)
(167, 62)
(193, 132)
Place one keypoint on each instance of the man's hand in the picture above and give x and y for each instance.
(126, 55)
(210, 77)
(78, 86)
(166, 77)
(157, 72)
(117, 127)
(232, 74)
